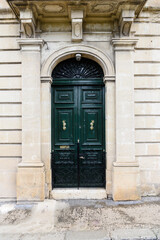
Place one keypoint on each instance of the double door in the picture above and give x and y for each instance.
(78, 141)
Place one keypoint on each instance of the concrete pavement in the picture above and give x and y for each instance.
(120, 234)
(81, 220)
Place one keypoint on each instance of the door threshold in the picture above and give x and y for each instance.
(81, 193)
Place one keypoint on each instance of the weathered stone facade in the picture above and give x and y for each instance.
(124, 38)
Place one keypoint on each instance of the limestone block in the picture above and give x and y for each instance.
(9, 29)
(83, 193)
(147, 122)
(143, 149)
(10, 56)
(10, 96)
(9, 164)
(10, 136)
(7, 150)
(143, 55)
(48, 175)
(45, 136)
(155, 177)
(46, 155)
(147, 68)
(147, 95)
(147, 82)
(96, 37)
(10, 83)
(148, 162)
(146, 28)
(51, 37)
(57, 27)
(10, 69)
(10, 109)
(126, 183)
(10, 123)
(29, 110)
(7, 184)
(29, 96)
(30, 184)
(150, 176)
(30, 136)
(8, 168)
(9, 43)
(97, 27)
(109, 182)
(31, 151)
(147, 108)
(147, 135)
(148, 42)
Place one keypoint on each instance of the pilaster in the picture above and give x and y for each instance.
(46, 130)
(30, 175)
(109, 129)
(125, 168)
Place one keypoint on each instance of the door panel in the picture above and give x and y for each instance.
(64, 156)
(64, 96)
(91, 126)
(78, 138)
(65, 126)
(92, 162)
(91, 95)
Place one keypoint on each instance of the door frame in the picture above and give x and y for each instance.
(109, 80)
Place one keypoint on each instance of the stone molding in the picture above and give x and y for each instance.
(45, 10)
(125, 164)
(70, 51)
(30, 44)
(77, 28)
(126, 20)
(28, 23)
(124, 44)
(30, 164)
(46, 79)
(108, 79)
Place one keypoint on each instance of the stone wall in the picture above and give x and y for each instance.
(147, 98)
(10, 101)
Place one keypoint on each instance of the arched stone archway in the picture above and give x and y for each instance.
(87, 51)
(109, 79)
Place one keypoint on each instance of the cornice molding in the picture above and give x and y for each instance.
(124, 44)
(30, 44)
(46, 79)
(109, 79)
(43, 10)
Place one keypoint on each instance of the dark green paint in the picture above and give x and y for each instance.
(78, 165)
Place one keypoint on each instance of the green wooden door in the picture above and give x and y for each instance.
(78, 141)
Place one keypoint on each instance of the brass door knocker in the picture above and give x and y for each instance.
(92, 125)
(64, 125)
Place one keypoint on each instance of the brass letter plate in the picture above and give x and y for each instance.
(64, 147)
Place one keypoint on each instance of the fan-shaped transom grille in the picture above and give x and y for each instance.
(73, 69)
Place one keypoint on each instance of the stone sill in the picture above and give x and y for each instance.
(81, 193)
